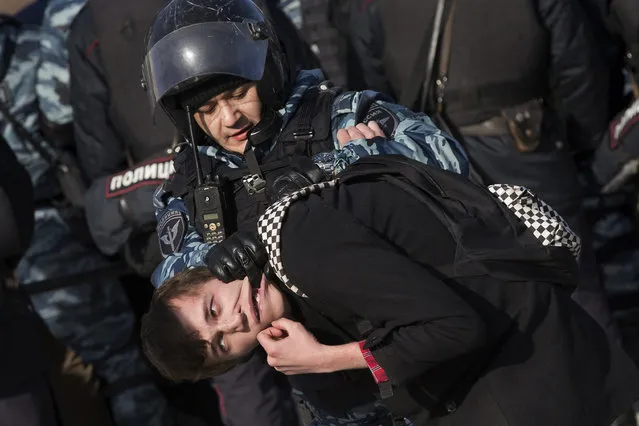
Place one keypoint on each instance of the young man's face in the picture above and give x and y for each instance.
(228, 117)
(230, 315)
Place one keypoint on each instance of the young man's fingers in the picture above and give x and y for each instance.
(276, 333)
(267, 340)
(376, 129)
(285, 324)
(272, 362)
(366, 131)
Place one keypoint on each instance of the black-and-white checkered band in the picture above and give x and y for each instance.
(547, 225)
(269, 227)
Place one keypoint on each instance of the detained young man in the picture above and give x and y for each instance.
(362, 293)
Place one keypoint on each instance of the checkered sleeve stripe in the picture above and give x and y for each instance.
(546, 224)
(269, 227)
(376, 370)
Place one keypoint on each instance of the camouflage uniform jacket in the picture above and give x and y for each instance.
(37, 83)
(410, 134)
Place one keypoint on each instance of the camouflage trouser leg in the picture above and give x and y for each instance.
(374, 414)
(93, 317)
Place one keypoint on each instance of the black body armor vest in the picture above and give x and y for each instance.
(306, 134)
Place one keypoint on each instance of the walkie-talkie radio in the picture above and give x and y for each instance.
(209, 212)
(208, 199)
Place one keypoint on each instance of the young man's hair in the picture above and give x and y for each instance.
(179, 354)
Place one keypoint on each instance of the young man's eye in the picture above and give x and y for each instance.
(222, 344)
(213, 311)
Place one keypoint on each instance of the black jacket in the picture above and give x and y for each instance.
(363, 250)
(99, 144)
(22, 355)
(576, 73)
(16, 206)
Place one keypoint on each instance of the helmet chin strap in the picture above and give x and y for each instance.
(196, 155)
(265, 131)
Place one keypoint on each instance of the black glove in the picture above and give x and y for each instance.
(301, 173)
(240, 255)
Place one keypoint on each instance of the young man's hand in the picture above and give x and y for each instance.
(292, 349)
(361, 131)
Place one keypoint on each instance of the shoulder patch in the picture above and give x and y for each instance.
(152, 172)
(171, 232)
(621, 125)
(384, 117)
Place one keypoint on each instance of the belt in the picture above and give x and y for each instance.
(496, 126)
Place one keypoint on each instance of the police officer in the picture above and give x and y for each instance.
(126, 153)
(123, 150)
(73, 287)
(220, 73)
(113, 128)
(521, 83)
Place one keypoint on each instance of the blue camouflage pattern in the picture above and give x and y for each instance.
(374, 414)
(52, 84)
(92, 316)
(415, 136)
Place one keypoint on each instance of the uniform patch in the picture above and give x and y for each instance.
(152, 172)
(171, 231)
(622, 125)
(384, 117)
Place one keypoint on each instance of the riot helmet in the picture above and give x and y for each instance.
(197, 49)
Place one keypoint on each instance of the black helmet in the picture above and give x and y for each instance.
(195, 44)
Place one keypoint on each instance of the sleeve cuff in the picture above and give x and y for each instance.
(376, 370)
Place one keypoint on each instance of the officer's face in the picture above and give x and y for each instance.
(228, 117)
(230, 316)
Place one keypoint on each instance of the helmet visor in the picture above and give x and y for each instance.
(192, 54)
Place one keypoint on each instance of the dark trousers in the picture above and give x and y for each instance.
(551, 173)
(30, 405)
(255, 394)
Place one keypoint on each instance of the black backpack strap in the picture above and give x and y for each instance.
(309, 130)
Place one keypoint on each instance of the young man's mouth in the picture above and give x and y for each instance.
(255, 295)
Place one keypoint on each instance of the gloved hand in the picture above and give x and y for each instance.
(240, 255)
(301, 173)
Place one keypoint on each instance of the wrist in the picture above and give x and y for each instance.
(327, 359)
(341, 357)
